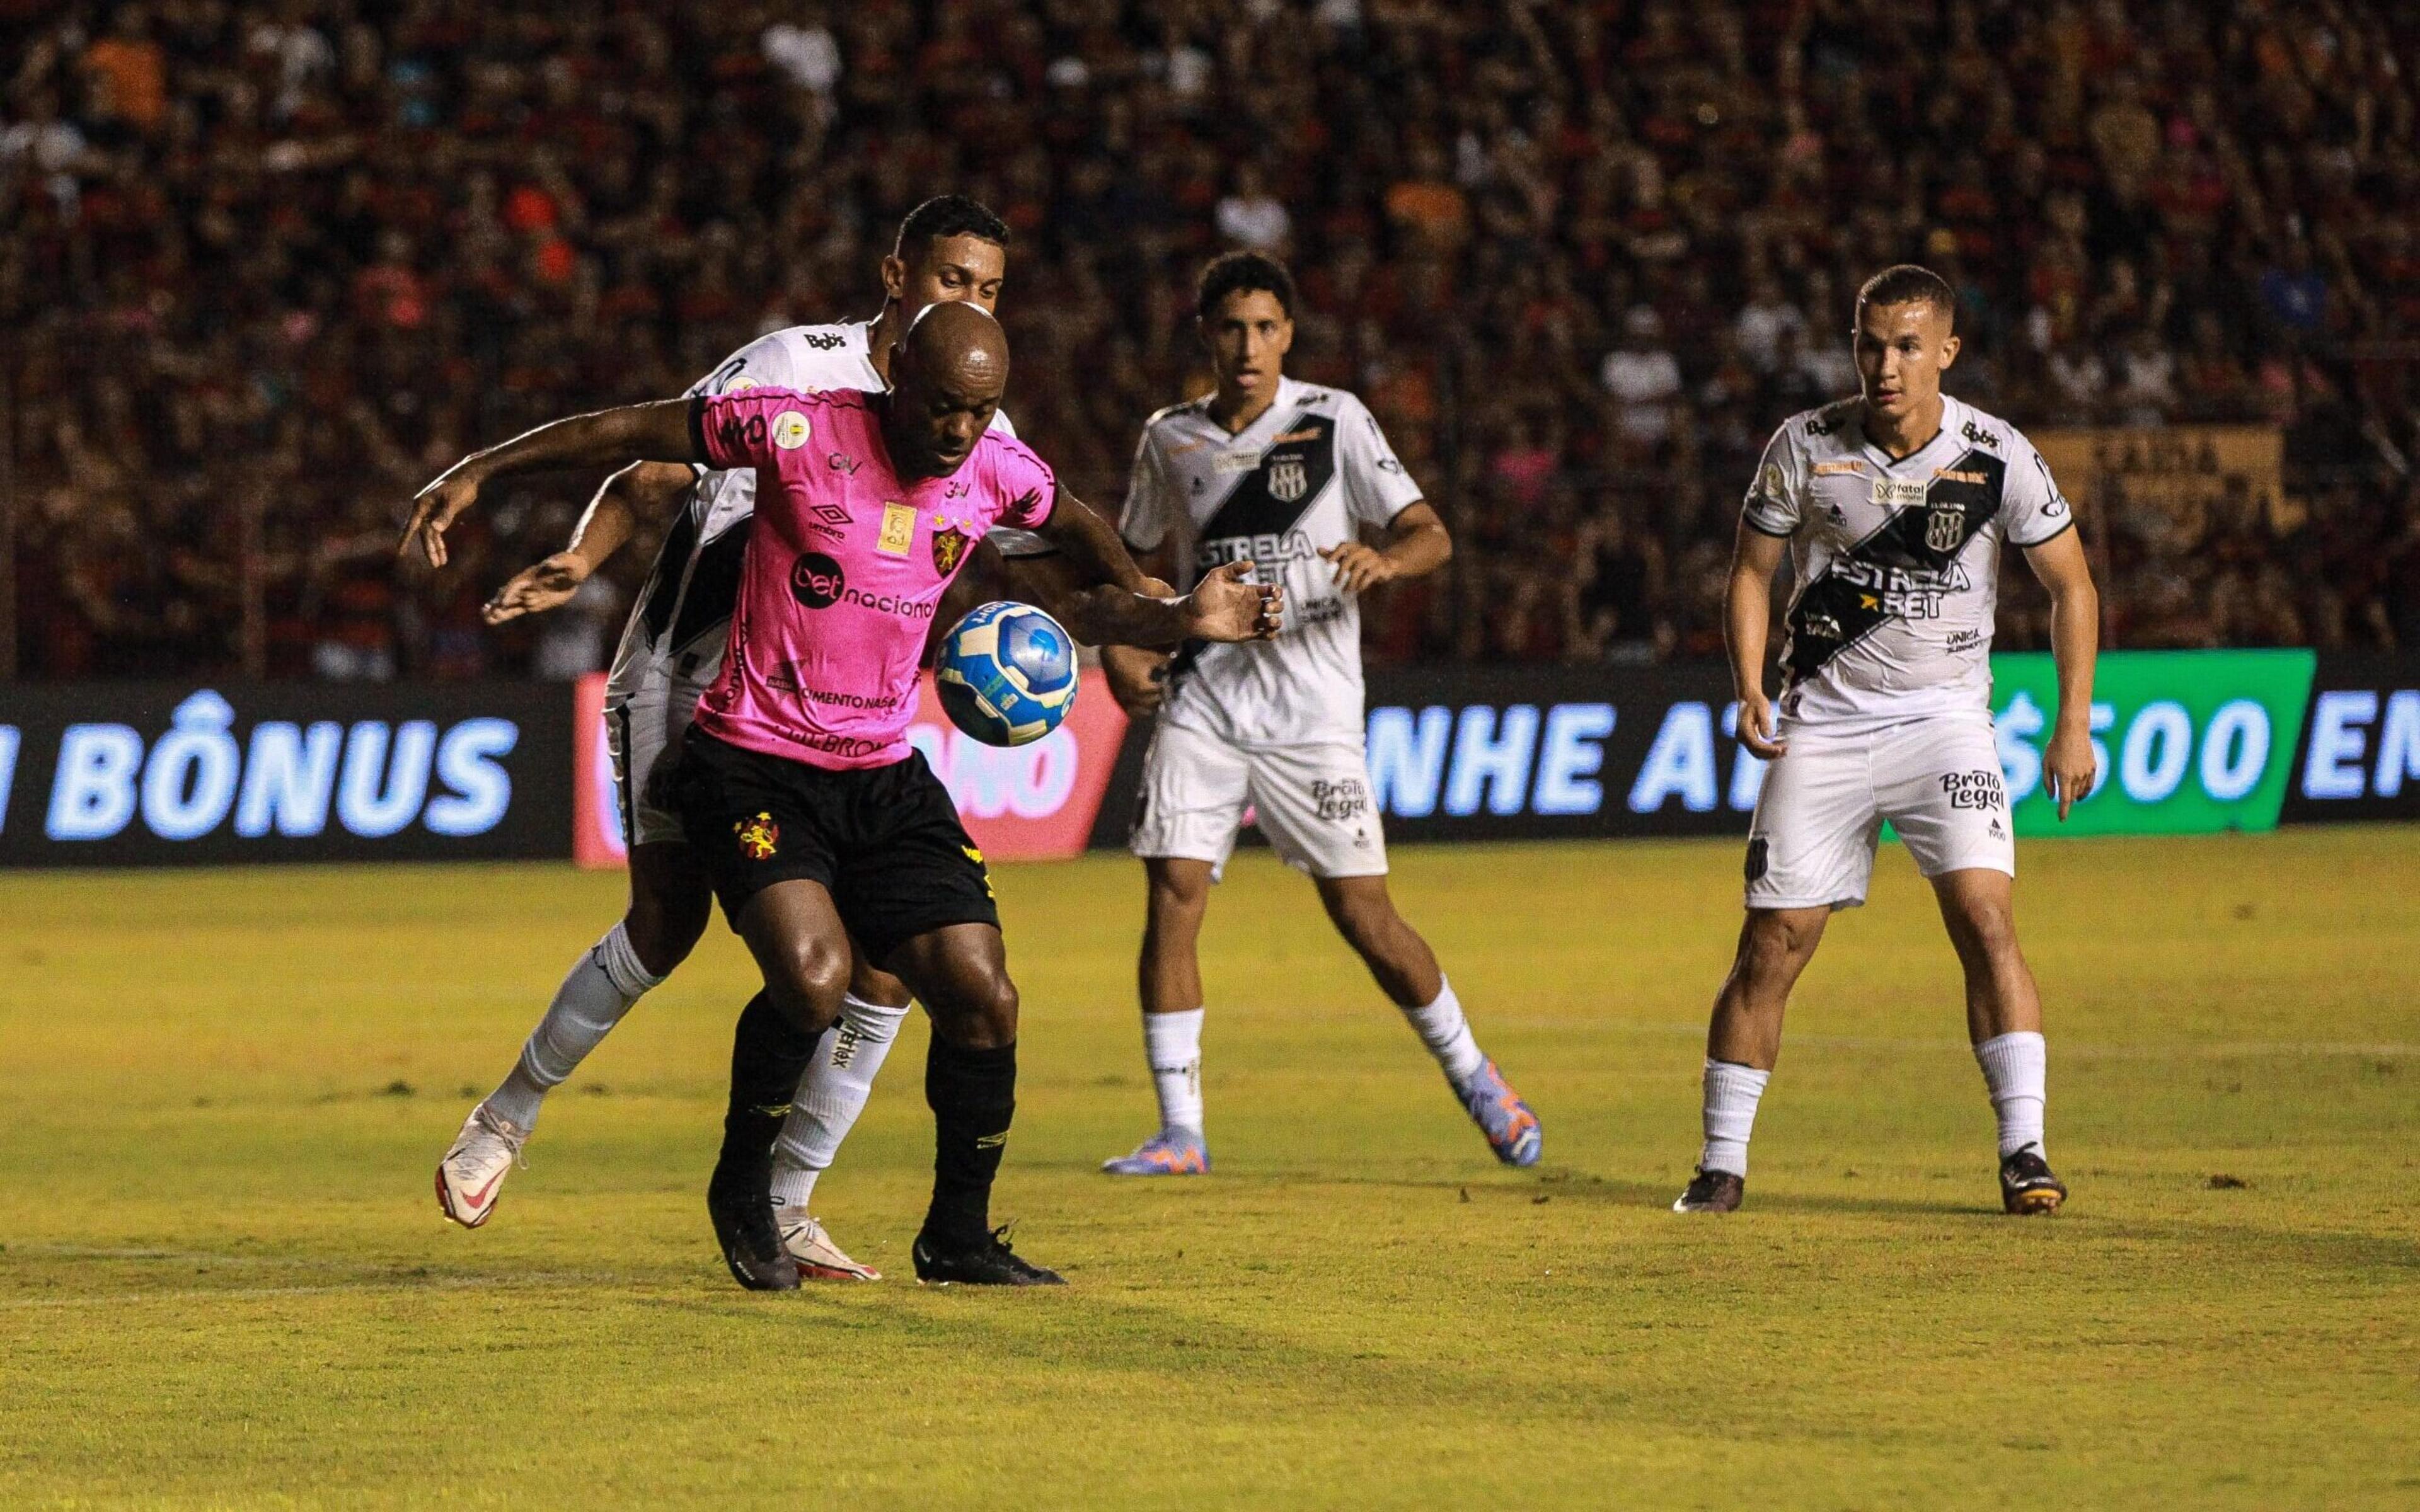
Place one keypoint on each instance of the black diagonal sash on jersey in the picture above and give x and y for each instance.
(657, 600)
(713, 584)
(1272, 498)
(1834, 613)
(1269, 501)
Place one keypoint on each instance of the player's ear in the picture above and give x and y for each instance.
(1950, 345)
(894, 278)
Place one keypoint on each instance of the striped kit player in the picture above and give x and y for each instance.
(1286, 476)
(1893, 507)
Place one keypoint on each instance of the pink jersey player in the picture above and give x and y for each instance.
(844, 569)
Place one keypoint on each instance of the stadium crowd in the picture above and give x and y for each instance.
(268, 264)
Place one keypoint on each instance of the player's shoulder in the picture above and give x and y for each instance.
(1183, 412)
(999, 446)
(1985, 431)
(1826, 427)
(1321, 399)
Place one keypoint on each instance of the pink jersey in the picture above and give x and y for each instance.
(845, 567)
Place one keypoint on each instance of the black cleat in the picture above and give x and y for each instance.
(2026, 1184)
(988, 1262)
(1713, 1191)
(742, 1211)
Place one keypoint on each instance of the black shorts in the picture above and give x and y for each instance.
(884, 841)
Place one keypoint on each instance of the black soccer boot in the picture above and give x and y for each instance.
(741, 1205)
(986, 1262)
(2026, 1184)
(1713, 1191)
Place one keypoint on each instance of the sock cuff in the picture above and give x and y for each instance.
(2017, 1042)
(1445, 994)
(872, 1021)
(1733, 1071)
(619, 960)
(944, 1055)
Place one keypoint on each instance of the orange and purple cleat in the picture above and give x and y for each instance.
(1512, 1130)
(1169, 1153)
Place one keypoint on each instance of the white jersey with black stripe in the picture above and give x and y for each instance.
(1303, 477)
(678, 624)
(1895, 562)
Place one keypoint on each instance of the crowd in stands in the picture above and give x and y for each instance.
(268, 265)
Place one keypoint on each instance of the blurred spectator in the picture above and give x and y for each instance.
(268, 264)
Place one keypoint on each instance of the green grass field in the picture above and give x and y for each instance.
(225, 1283)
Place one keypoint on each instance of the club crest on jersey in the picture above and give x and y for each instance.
(948, 549)
(1944, 527)
(758, 837)
(1289, 480)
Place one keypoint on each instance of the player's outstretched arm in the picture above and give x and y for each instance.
(2068, 763)
(659, 432)
(1120, 608)
(1417, 545)
(1747, 617)
(642, 491)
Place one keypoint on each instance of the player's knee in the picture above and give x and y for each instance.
(1777, 944)
(1367, 920)
(807, 981)
(663, 931)
(1984, 928)
(979, 1012)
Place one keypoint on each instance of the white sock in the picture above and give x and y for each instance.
(1733, 1093)
(599, 989)
(2015, 1067)
(1446, 1033)
(831, 1096)
(1171, 1042)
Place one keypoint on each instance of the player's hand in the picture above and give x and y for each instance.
(1359, 568)
(433, 509)
(1223, 606)
(1756, 730)
(538, 588)
(1138, 679)
(2069, 768)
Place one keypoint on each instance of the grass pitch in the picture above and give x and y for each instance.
(225, 1283)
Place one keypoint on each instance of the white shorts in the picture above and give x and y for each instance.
(640, 730)
(1937, 781)
(1313, 803)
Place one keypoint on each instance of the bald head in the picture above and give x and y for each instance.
(947, 375)
(959, 342)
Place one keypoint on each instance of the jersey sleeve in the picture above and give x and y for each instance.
(1776, 497)
(1377, 486)
(1144, 521)
(763, 364)
(2032, 510)
(749, 428)
(1028, 484)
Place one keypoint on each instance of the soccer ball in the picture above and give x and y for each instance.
(1006, 673)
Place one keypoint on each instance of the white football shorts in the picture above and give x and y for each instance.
(1312, 802)
(1937, 781)
(640, 731)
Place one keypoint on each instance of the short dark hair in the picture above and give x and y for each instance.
(1907, 284)
(1243, 273)
(948, 215)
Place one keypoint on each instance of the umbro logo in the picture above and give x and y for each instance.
(828, 519)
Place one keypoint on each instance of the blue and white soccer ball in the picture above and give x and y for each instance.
(1006, 673)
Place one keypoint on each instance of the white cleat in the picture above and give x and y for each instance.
(818, 1258)
(475, 1165)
